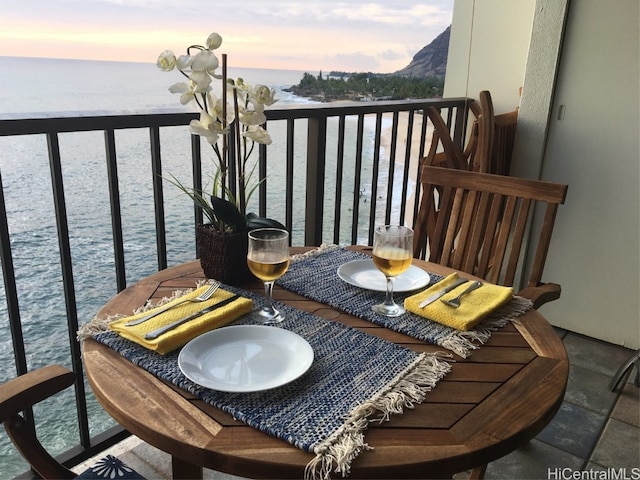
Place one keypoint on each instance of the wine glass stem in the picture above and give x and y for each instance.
(388, 300)
(268, 289)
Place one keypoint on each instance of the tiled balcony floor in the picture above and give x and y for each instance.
(595, 429)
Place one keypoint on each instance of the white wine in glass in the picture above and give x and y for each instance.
(268, 259)
(392, 255)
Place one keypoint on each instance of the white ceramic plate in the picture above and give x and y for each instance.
(364, 274)
(245, 358)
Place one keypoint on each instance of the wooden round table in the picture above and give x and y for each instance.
(487, 406)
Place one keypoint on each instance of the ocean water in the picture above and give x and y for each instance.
(51, 88)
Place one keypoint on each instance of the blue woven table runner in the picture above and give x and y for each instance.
(325, 411)
(315, 276)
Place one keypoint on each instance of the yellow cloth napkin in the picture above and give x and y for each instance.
(474, 305)
(169, 341)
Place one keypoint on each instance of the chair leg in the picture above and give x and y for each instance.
(625, 370)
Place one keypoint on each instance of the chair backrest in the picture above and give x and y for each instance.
(489, 144)
(20, 394)
(504, 136)
(450, 156)
(480, 158)
(477, 222)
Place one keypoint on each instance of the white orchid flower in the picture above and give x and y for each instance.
(264, 95)
(252, 117)
(207, 127)
(216, 104)
(166, 61)
(185, 89)
(214, 41)
(258, 134)
(202, 81)
(245, 105)
(241, 86)
(205, 61)
(184, 61)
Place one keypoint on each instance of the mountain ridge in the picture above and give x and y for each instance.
(431, 60)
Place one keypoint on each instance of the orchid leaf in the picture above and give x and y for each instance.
(227, 213)
(254, 221)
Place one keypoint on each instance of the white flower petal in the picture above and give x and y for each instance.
(252, 117)
(264, 95)
(184, 61)
(205, 61)
(214, 41)
(258, 135)
(187, 97)
(166, 61)
(181, 87)
(201, 81)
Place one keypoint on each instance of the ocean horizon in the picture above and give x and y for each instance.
(35, 86)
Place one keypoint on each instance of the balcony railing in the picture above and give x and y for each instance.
(72, 232)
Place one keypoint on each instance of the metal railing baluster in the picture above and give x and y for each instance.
(158, 197)
(374, 177)
(357, 175)
(64, 245)
(290, 162)
(339, 175)
(316, 162)
(116, 213)
(392, 167)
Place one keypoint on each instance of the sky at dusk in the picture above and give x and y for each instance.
(361, 35)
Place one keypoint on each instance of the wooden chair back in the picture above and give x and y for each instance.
(21, 393)
(450, 156)
(478, 223)
(490, 142)
(503, 140)
(480, 158)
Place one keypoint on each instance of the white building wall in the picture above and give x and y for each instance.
(488, 50)
(593, 146)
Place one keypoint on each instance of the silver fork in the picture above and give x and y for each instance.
(203, 297)
(455, 302)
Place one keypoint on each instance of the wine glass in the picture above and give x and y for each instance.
(268, 259)
(392, 255)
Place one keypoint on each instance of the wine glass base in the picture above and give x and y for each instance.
(268, 315)
(389, 309)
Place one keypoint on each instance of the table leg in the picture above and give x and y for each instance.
(181, 469)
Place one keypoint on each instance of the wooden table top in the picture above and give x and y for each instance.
(487, 406)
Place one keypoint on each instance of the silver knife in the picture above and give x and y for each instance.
(432, 298)
(152, 335)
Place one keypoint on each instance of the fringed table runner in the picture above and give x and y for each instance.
(314, 275)
(325, 411)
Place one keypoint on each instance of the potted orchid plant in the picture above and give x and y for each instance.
(238, 110)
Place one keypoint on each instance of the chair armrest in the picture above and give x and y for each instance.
(543, 293)
(26, 390)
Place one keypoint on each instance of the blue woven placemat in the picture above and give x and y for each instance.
(354, 378)
(315, 276)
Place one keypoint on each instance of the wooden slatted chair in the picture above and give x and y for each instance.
(478, 223)
(29, 389)
(489, 145)
(479, 159)
(504, 136)
(476, 154)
